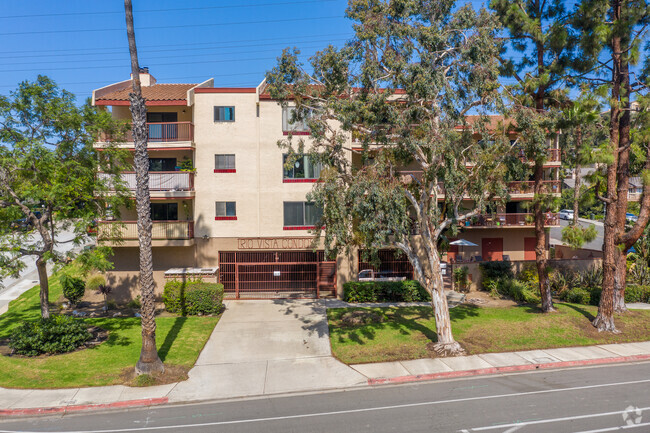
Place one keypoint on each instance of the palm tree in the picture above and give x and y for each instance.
(149, 361)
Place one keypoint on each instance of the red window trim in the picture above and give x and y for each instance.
(299, 227)
(289, 180)
(225, 218)
(296, 133)
(225, 170)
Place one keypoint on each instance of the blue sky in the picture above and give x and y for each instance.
(82, 44)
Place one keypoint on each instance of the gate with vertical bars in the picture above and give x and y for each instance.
(276, 274)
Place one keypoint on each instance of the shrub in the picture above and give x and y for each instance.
(135, 303)
(577, 295)
(384, 291)
(73, 288)
(193, 297)
(528, 274)
(496, 270)
(58, 334)
(460, 276)
(637, 293)
(519, 291)
(94, 281)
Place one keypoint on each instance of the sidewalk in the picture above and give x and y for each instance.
(262, 348)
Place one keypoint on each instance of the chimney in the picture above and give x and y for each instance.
(146, 79)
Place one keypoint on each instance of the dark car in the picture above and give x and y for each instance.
(24, 223)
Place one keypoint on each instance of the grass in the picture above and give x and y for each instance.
(405, 332)
(179, 340)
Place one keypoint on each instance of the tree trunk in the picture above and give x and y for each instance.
(446, 345)
(41, 267)
(604, 320)
(149, 361)
(541, 259)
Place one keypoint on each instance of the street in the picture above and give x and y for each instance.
(591, 399)
(596, 244)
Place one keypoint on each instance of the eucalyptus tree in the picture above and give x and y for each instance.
(48, 182)
(537, 54)
(149, 361)
(387, 116)
(613, 33)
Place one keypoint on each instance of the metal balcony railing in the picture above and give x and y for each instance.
(160, 132)
(508, 220)
(161, 230)
(158, 180)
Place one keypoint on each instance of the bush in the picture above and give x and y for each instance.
(636, 293)
(94, 281)
(193, 297)
(135, 303)
(384, 291)
(528, 274)
(518, 291)
(461, 277)
(73, 288)
(577, 295)
(496, 270)
(58, 334)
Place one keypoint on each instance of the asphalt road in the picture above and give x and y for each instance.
(596, 244)
(594, 399)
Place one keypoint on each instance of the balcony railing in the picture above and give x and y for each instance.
(160, 132)
(528, 187)
(521, 187)
(158, 180)
(508, 220)
(161, 230)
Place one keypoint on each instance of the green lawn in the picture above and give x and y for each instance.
(179, 339)
(405, 332)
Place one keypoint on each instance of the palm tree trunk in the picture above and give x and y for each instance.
(149, 361)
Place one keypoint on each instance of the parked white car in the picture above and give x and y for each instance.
(371, 275)
(565, 214)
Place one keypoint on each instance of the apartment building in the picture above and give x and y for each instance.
(223, 198)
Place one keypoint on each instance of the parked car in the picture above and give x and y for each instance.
(630, 217)
(371, 275)
(24, 223)
(565, 214)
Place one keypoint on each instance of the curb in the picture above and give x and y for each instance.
(82, 407)
(508, 369)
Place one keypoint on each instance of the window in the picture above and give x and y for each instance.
(302, 169)
(162, 164)
(226, 210)
(224, 114)
(290, 124)
(300, 215)
(224, 163)
(164, 211)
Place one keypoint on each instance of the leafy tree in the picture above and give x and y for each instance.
(47, 178)
(149, 361)
(401, 89)
(612, 33)
(537, 54)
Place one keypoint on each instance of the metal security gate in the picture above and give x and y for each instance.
(276, 274)
(391, 261)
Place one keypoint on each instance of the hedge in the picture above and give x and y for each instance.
(58, 334)
(191, 298)
(384, 291)
(637, 293)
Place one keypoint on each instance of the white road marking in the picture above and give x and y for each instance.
(623, 427)
(565, 418)
(350, 411)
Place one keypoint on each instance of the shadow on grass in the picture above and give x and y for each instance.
(171, 337)
(580, 310)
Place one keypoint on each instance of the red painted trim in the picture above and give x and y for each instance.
(225, 90)
(508, 369)
(296, 133)
(300, 180)
(149, 103)
(298, 227)
(226, 170)
(225, 218)
(82, 407)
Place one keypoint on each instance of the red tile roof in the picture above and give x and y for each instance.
(157, 92)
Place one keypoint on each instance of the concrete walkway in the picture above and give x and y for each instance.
(262, 348)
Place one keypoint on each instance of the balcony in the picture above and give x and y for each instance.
(163, 233)
(162, 184)
(498, 220)
(165, 135)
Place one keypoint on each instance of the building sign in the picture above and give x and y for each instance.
(275, 243)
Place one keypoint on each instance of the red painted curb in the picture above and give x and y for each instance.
(508, 369)
(81, 407)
